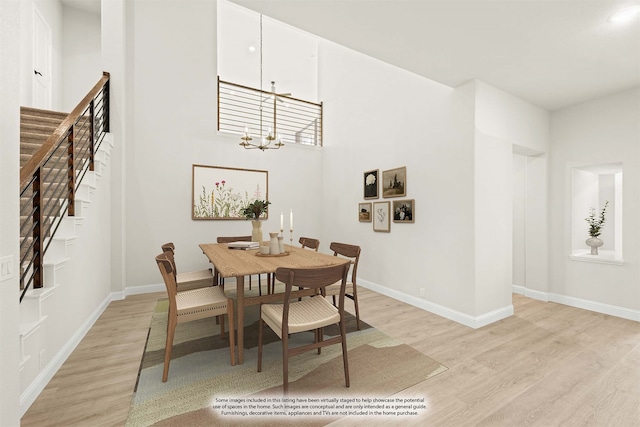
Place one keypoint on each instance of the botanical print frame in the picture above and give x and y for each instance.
(370, 184)
(394, 182)
(221, 193)
(404, 211)
(364, 212)
(381, 217)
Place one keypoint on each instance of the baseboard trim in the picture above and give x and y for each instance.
(531, 293)
(40, 382)
(474, 322)
(598, 307)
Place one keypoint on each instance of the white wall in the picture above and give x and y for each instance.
(116, 27)
(173, 123)
(10, 21)
(525, 128)
(601, 131)
(380, 117)
(81, 56)
(493, 223)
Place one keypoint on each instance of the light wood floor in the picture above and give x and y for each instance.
(548, 365)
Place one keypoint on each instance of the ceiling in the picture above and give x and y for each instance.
(552, 53)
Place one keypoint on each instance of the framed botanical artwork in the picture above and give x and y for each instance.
(404, 211)
(394, 182)
(364, 212)
(370, 184)
(221, 193)
(381, 216)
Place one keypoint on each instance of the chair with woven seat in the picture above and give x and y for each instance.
(190, 279)
(309, 314)
(229, 239)
(305, 243)
(194, 304)
(352, 252)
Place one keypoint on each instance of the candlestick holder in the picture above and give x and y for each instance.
(291, 240)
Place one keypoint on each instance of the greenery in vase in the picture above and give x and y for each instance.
(255, 209)
(596, 222)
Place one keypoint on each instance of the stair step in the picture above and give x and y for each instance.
(38, 112)
(39, 126)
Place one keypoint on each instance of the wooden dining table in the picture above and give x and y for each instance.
(240, 263)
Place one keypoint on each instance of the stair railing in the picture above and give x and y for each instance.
(50, 179)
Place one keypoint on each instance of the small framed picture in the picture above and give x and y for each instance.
(403, 210)
(394, 182)
(381, 216)
(364, 212)
(370, 184)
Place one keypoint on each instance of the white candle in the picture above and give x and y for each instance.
(291, 221)
(281, 221)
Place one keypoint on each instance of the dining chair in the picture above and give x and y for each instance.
(305, 243)
(309, 314)
(194, 304)
(229, 239)
(191, 279)
(309, 243)
(351, 291)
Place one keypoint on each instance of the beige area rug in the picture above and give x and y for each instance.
(200, 372)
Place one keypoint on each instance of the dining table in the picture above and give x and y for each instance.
(239, 263)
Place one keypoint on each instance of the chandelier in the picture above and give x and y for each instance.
(266, 142)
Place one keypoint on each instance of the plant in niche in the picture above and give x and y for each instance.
(255, 209)
(596, 222)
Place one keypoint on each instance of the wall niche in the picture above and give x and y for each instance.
(591, 187)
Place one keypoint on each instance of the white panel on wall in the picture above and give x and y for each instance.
(519, 218)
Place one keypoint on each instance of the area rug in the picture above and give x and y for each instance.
(203, 388)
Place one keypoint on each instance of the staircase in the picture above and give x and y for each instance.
(62, 159)
(43, 344)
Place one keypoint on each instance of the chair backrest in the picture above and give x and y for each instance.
(312, 278)
(168, 247)
(233, 239)
(348, 251)
(168, 275)
(308, 242)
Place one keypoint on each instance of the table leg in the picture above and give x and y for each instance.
(240, 322)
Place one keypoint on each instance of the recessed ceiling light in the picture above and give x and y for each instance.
(252, 49)
(626, 14)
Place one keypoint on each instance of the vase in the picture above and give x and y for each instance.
(274, 247)
(256, 233)
(594, 243)
(281, 244)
